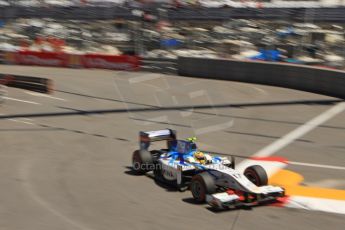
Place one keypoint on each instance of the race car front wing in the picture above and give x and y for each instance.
(232, 199)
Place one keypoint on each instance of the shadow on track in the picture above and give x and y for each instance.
(205, 113)
(303, 102)
(167, 187)
(75, 112)
(130, 171)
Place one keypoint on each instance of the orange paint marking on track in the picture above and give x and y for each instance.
(291, 181)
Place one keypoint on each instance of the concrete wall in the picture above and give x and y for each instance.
(316, 80)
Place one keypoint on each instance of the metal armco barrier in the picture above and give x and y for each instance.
(315, 80)
(335, 14)
(37, 84)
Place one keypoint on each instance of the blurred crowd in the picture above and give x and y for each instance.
(155, 36)
(178, 3)
(303, 43)
(75, 37)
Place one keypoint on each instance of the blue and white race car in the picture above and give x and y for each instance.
(211, 179)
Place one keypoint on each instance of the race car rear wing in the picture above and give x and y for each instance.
(145, 138)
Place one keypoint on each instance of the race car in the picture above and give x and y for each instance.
(211, 179)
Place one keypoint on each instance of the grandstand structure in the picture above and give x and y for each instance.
(203, 3)
(322, 10)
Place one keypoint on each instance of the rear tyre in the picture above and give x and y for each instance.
(201, 185)
(142, 162)
(257, 175)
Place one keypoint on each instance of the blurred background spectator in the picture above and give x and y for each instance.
(151, 33)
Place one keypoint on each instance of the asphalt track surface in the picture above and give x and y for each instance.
(65, 158)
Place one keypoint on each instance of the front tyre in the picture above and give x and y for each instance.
(257, 175)
(201, 185)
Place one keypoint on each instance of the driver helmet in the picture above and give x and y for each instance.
(200, 157)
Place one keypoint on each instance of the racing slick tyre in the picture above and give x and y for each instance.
(142, 162)
(257, 175)
(201, 185)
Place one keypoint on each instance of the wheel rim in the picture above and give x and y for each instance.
(197, 189)
(252, 178)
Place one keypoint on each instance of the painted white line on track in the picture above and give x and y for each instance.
(24, 101)
(300, 131)
(27, 119)
(306, 201)
(44, 95)
(317, 165)
(316, 204)
(260, 90)
(273, 167)
(21, 121)
(146, 77)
